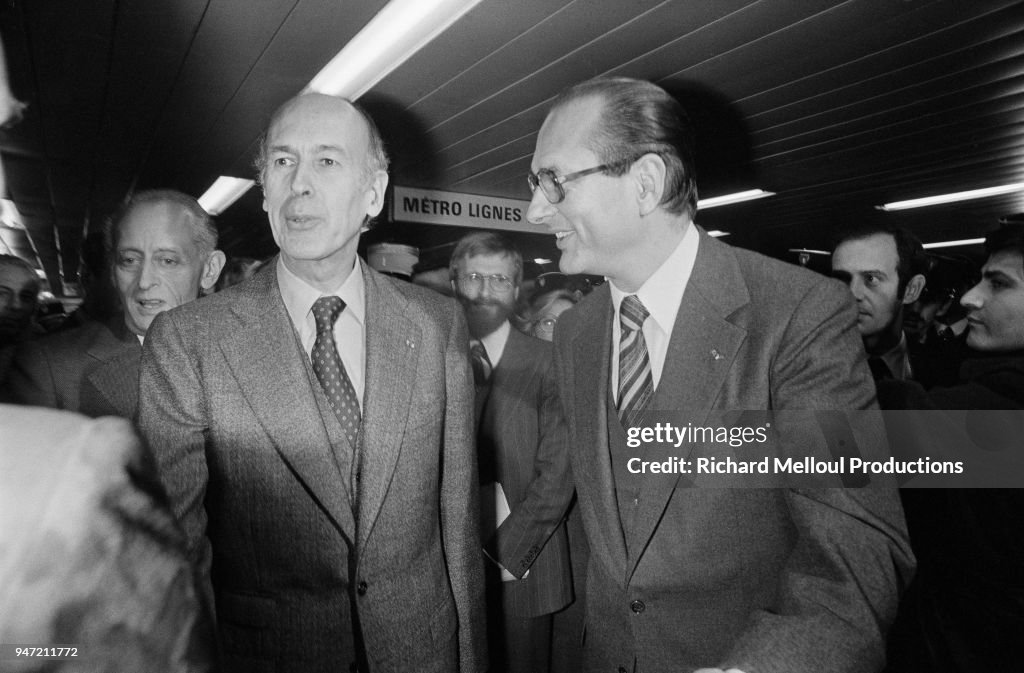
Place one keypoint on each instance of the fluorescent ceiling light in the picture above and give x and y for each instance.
(953, 244)
(717, 233)
(541, 260)
(398, 31)
(738, 197)
(950, 198)
(810, 251)
(223, 192)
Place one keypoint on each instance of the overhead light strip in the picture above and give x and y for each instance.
(223, 192)
(951, 198)
(738, 197)
(953, 244)
(398, 31)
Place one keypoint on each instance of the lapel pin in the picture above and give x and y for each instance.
(409, 343)
(715, 354)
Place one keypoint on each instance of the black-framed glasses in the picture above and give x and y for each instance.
(497, 282)
(551, 183)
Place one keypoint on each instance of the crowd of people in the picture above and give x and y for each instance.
(340, 470)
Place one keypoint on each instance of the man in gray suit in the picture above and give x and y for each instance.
(162, 248)
(313, 427)
(524, 462)
(686, 578)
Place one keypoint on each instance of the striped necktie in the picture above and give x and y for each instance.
(636, 384)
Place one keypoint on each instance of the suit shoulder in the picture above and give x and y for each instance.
(71, 342)
(430, 303)
(771, 281)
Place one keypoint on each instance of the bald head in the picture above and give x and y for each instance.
(376, 156)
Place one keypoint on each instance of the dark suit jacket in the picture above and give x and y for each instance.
(91, 554)
(761, 579)
(964, 611)
(246, 445)
(522, 435)
(93, 369)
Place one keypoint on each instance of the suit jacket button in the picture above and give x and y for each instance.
(637, 606)
(361, 588)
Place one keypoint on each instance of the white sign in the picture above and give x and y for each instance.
(433, 206)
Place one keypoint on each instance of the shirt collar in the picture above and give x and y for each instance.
(896, 358)
(299, 296)
(662, 293)
(494, 343)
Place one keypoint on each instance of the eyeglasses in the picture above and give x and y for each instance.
(551, 183)
(475, 281)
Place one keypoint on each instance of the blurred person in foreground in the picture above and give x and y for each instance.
(313, 427)
(91, 556)
(684, 578)
(163, 249)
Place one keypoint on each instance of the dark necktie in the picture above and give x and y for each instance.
(879, 369)
(482, 367)
(636, 384)
(329, 370)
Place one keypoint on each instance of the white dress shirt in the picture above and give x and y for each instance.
(661, 294)
(494, 343)
(350, 328)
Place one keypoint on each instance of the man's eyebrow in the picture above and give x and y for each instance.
(318, 148)
(990, 274)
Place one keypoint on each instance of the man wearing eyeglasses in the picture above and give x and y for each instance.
(681, 578)
(522, 456)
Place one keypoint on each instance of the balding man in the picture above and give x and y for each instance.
(313, 426)
(163, 247)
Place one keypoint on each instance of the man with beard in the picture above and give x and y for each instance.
(522, 456)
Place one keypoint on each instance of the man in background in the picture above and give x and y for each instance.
(19, 295)
(163, 248)
(523, 458)
(883, 266)
(702, 578)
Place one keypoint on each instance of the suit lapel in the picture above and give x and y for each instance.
(392, 349)
(117, 378)
(592, 466)
(701, 351)
(266, 360)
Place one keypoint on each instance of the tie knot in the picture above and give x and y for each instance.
(326, 311)
(632, 312)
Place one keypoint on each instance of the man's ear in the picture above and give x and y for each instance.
(376, 186)
(914, 288)
(211, 270)
(649, 177)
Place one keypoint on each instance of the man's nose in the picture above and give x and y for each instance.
(973, 299)
(301, 178)
(148, 275)
(540, 209)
